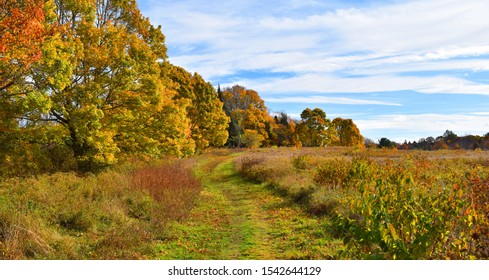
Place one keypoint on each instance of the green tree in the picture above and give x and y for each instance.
(449, 136)
(316, 130)
(386, 143)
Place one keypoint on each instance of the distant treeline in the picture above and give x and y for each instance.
(448, 141)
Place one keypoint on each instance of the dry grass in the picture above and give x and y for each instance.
(118, 214)
(173, 186)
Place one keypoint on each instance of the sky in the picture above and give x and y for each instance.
(404, 70)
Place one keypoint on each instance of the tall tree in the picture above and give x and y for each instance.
(209, 122)
(316, 130)
(285, 131)
(102, 76)
(348, 133)
(248, 113)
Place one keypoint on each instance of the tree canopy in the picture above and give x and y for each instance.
(316, 130)
(248, 114)
(84, 84)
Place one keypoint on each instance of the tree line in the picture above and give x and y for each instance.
(84, 84)
(251, 124)
(448, 141)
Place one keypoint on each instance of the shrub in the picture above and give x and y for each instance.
(479, 198)
(115, 215)
(174, 187)
(304, 162)
(333, 173)
(393, 221)
(248, 166)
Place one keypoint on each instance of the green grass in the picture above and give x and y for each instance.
(236, 218)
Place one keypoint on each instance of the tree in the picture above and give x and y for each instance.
(285, 131)
(101, 77)
(348, 133)
(369, 143)
(24, 27)
(247, 111)
(386, 143)
(316, 130)
(209, 122)
(449, 136)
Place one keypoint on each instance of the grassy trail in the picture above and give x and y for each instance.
(238, 219)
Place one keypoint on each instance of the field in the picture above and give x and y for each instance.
(276, 203)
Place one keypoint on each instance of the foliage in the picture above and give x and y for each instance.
(247, 112)
(97, 72)
(23, 25)
(208, 121)
(348, 133)
(316, 130)
(173, 186)
(393, 220)
(386, 143)
(479, 196)
(285, 131)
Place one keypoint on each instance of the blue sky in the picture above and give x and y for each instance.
(399, 69)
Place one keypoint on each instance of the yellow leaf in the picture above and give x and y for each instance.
(393, 231)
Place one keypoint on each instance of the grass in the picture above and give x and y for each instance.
(385, 203)
(116, 214)
(238, 219)
(278, 203)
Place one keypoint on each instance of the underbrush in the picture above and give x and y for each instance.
(388, 205)
(116, 214)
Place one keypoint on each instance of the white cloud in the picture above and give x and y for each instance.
(417, 45)
(220, 40)
(329, 100)
(324, 83)
(424, 125)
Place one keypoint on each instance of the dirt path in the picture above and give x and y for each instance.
(238, 219)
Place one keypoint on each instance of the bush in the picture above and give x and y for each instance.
(249, 167)
(393, 221)
(479, 197)
(251, 139)
(173, 186)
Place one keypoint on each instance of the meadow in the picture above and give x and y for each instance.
(386, 204)
(274, 203)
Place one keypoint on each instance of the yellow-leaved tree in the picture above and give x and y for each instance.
(315, 130)
(101, 76)
(348, 133)
(208, 121)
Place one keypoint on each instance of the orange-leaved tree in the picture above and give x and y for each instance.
(24, 26)
(348, 133)
(249, 116)
(22, 32)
